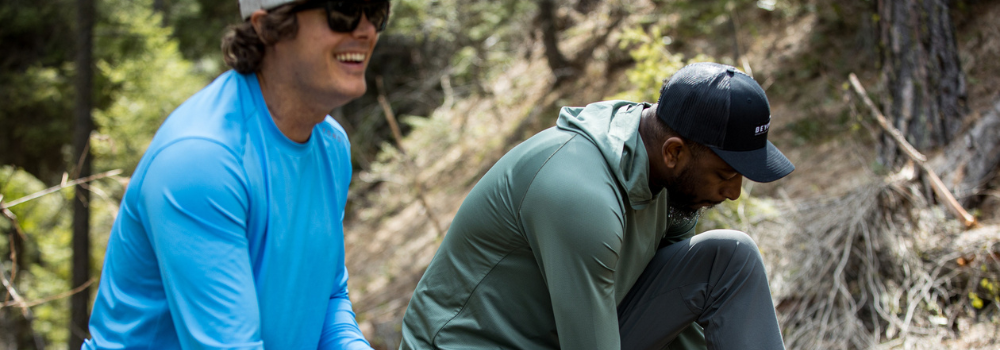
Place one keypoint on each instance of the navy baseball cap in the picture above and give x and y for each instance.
(725, 110)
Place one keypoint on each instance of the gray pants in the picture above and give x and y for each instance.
(715, 280)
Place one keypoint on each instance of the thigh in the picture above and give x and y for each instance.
(671, 294)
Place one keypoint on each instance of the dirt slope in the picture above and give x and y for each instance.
(399, 210)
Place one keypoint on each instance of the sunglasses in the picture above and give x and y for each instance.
(344, 16)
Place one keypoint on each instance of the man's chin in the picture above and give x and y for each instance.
(686, 212)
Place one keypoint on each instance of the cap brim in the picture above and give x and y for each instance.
(761, 165)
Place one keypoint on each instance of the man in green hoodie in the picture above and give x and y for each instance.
(582, 237)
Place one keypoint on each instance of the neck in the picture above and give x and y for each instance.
(651, 141)
(294, 109)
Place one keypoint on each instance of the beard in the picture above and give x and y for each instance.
(685, 214)
(681, 197)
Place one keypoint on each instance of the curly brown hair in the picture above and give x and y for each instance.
(243, 48)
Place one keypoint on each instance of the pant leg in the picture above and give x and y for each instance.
(715, 279)
(691, 338)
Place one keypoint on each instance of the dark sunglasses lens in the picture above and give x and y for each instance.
(378, 14)
(343, 16)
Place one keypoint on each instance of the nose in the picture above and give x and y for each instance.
(365, 28)
(733, 187)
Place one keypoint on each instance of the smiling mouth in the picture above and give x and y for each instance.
(350, 57)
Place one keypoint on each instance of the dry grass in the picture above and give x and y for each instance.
(878, 267)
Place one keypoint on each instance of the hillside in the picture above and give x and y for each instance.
(402, 205)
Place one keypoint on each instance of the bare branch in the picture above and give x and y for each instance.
(59, 187)
(389, 115)
(18, 300)
(419, 186)
(13, 247)
(939, 187)
(893, 132)
(26, 304)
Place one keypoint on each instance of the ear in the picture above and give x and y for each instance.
(674, 152)
(255, 20)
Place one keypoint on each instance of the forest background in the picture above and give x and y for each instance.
(863, 251)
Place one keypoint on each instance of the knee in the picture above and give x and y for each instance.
(739, 244)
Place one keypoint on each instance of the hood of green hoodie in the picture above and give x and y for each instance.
(614, 127)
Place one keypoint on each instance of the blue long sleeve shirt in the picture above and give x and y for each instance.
(230, 235)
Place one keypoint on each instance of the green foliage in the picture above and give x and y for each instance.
(35, 32)
(740, 214)
(43, 95)
(46, 224)
(654, 63)
(987, 291)
(459, 20)
(422, 19)
(140, 77)
(707, 17)
(146, 78)
(475, 34)
(46, 256)
(35, 84)
(198, 26)
(466, 42)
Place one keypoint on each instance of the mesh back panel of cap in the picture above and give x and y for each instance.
(695, 103)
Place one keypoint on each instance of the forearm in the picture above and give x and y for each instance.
(340, 329)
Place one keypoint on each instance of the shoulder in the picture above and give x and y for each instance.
(576, 183)
(577, 170)
(574, 206)
(218, 112)
(195, 176)
(193, 166)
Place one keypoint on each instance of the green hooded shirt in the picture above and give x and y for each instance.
(548, 242)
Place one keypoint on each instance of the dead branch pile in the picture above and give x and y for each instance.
(877, 266)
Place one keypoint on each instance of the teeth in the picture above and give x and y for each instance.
(351, 57)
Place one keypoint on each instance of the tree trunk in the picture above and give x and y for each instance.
(79, 302)
(17, 331)
(971, 161)
(586, 6)
(550, 38)
(925, 87)
(162, 8)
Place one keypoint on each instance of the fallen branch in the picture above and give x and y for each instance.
(58, 187)
(389, 115)
(420, 189)
(20, 302)
(939, 187)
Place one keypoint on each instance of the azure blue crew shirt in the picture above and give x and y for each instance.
(230, 235)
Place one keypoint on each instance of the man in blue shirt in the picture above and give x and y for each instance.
(230, 234)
